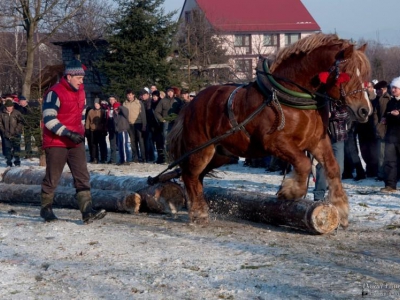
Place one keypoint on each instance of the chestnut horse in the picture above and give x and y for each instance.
(280, 128)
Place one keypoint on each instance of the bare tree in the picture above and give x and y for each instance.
(200, 53)
(45, 16)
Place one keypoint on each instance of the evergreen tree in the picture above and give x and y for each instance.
(140, 42)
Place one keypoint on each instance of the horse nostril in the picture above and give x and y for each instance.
(363, 112)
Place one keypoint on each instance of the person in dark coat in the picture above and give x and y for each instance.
(392, 138)
(382, 99)
(11, 126)
(121, 122)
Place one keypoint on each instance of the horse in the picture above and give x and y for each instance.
(319, 68)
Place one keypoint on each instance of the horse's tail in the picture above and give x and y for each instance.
(174, 138)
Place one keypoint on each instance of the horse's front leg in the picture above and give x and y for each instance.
(325, 155)
(197, 206)
(294, 186)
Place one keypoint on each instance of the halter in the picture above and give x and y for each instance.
(336, 68)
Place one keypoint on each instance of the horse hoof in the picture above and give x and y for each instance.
(199, 218)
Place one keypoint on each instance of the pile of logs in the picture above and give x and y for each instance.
(132, 194)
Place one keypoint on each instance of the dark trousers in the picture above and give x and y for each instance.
(113, 139)
(351, 157)
(149, 144)
(369, 153)
(12, 149)
(28, 142)
(98, 144)
(137, 142)
(392, 152)
(75, 158)
(158, 138)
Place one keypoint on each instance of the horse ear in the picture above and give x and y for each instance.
(362, 48)
(348, 52)
(323, 77)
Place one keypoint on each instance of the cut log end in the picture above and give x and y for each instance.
(324, 218)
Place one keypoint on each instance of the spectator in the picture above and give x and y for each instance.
(64, 108)
(121, 117)
(392, 138)
(11, 126)
(337, 131)
(30, 123)
(153, 88)
(185, 96)
(112, 135)
(192, 95)
(382, 99)
(151, 123)
(137, 125)
(157, 129)
(96, 124)
(166, 111)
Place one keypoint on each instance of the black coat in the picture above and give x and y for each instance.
(393, 122)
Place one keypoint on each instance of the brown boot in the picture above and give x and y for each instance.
(46, 211)
(85, 206)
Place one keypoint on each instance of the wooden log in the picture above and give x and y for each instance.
(167, 197)
(65, 197)
(314, 217)
(27, 175)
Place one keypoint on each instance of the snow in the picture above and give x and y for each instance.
(149, 256)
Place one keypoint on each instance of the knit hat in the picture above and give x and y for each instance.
(9, 103)
(156, 93)
(75, 68)
(381, 84)
(395, 82)
(22, 98)
(96, 100)
(116, 105)
(142, 92)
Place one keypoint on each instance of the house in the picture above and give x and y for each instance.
(253, 27)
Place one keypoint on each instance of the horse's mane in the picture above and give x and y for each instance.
(306, 45)
(359, 64)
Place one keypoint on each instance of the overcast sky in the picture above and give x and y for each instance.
(368, 19)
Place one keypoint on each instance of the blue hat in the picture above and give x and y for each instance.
(22, 98)
(74, 68)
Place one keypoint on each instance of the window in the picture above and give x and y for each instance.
(270, 40)
(291, 38)
(243, 65)
(188, 17)
(242, 40)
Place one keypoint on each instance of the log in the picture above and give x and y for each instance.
(314, 217)
(65, 197)
(166, 198)
(28, 175)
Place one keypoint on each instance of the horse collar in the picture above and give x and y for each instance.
(232, 118)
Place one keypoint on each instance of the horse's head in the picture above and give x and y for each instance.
(345, 80)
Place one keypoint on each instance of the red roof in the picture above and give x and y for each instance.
(258, 15)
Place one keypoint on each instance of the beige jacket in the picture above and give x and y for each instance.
(137, 112)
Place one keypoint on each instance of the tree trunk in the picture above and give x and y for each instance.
(65, 197)
(312, 216)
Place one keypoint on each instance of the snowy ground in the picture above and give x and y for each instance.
(150, 256)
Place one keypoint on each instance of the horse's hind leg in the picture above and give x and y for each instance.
(336, 194)
(193, 171)
(295, 185)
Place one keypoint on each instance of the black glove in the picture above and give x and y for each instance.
(75, 137)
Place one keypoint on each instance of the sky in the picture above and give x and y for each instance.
(356, 19)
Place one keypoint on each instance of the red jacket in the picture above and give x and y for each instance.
(70, 112)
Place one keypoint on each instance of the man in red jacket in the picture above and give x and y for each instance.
(64, 110)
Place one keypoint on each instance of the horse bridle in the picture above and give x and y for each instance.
(336, 68)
